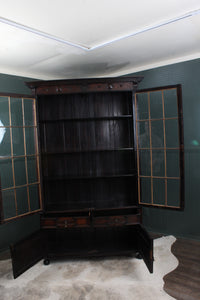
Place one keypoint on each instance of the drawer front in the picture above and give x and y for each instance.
(65, 222)
(48, 222)
(116, 220)
(70, 222)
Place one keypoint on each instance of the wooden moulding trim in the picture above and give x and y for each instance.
(133, 79)
(162, 206)
(18, 156)
(29, 97)
(165, 154)
(159, 119)
(181, 150)
(20, 186)
(151, 154)
(11, 144)
(159, 89)
(159, 177)
(84, 85)
(138, 155)
(25, 154)
(70, 89)
(21, 216)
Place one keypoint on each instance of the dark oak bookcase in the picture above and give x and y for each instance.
(88, 173)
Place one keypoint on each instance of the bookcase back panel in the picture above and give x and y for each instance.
(90, 193)
(87, 150)
(102, 163)
(71, 106)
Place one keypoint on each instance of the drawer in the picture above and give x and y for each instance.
(116, 220)
(70, 222)
(65, 222)
(48, 222)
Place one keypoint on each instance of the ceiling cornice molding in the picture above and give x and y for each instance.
(104, 44)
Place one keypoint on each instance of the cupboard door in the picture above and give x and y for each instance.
(27, 252)
(145, 247)
(20, 188)
(160, 148)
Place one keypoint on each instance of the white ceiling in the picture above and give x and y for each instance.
(57, 39)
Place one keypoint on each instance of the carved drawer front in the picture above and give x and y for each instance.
(65, 222)
(48, 222)
(69, 222)
(116, 220)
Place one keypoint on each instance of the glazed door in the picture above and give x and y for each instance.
(160, 149)
(20, 188)
(27, 252)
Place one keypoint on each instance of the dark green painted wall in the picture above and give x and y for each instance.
(186, 223)
(16, 230)
(14, 84)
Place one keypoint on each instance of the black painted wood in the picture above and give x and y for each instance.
(89, 171)
(27, 252)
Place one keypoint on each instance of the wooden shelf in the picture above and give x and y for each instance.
(86, 211)
(88, 151)
(87, 119)
(87, 177)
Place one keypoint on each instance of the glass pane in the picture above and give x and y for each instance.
(172, 133)
(143, 134)
(6, 173)
(159, 191)
(18, 141)
(145, 186)
(156, 108)
(145, 162)
(20, 171)
(170, 100)
(34, 197)
(173, 192)
(142, 105)
(16, 112)
(158, 163)
(157, 134)
(4, 112)
(30, 141)
(5, 146)
(29, 112)
(173, 163)
(32, 169)
(9, 209)
(22, 200)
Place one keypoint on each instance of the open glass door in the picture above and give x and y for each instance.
(160, 156)
(20, 190)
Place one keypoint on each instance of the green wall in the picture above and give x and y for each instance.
(16, 230)
(181, 223)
